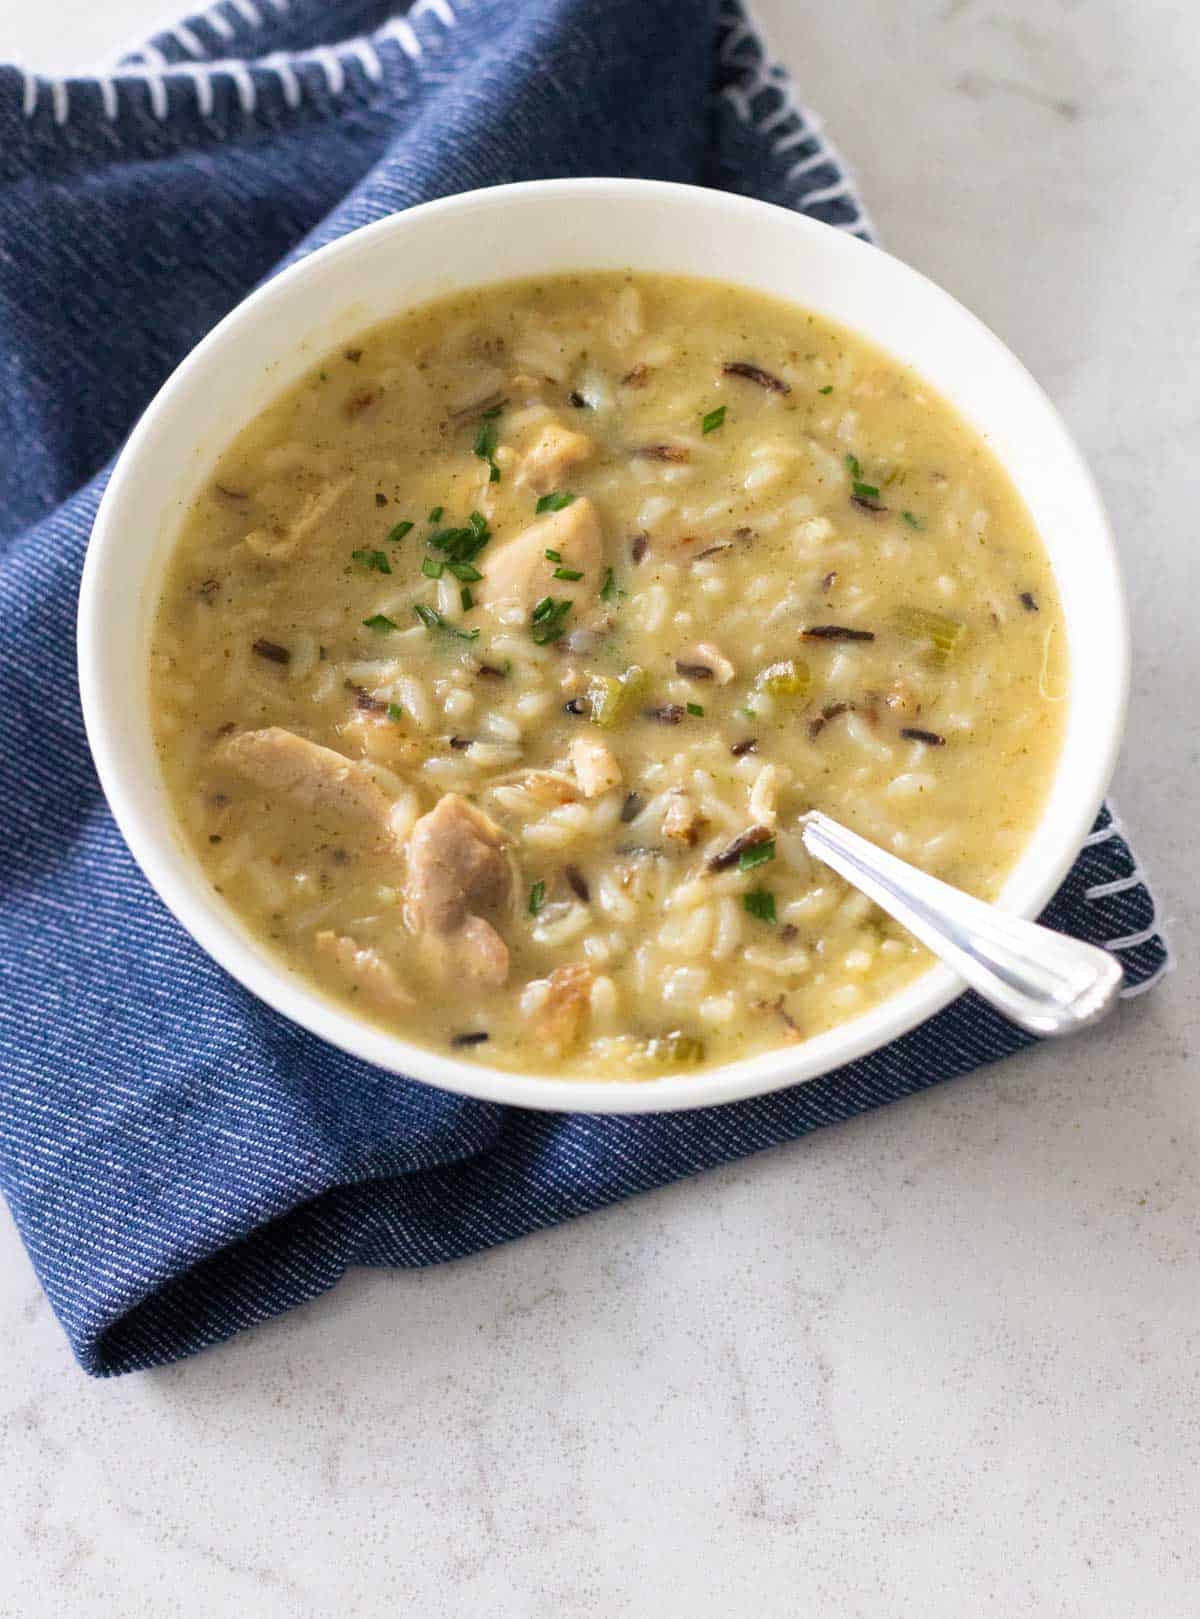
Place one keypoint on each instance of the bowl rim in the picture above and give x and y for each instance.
(162, 861)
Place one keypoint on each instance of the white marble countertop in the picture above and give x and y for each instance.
(938, 1361)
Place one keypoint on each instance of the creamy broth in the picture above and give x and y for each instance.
(499, 657)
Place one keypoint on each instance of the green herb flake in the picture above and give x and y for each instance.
(866, 491)
(373, 561)
(433, 620)
(468, 601)
(567, 573)
(435, 515)
(486, 441)
(608, 590)
(431, 568)
(395, 712)
(555, 502)
(713, 420)
(395, 535)
(910, 520)
(490, 415)
(537, 895)
(547, 621)
(827, 389)
(553, 556)
(379, 622)
(464, 572)
(757, 855)
(853, 466)
(760, 903)
(695, 708)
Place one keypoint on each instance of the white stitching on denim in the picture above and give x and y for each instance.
(331, 62)
(369, 57)
(1118, 886)
(335, 73)
(818, 160)
(244, 85)
(1167, 966)
(278, 63)
(218, 22)
(763, 74)
(186, 40)
(1102, 836)
(202, 83)
(1130, 941)
(149, 65)
(405, 35)
(440, 8)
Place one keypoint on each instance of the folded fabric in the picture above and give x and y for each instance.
(180, 1160)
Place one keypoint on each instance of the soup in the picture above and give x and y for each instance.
(500, 656)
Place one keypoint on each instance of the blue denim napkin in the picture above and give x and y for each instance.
(180, 1160)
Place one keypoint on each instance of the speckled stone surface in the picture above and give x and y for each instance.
(940, 1361)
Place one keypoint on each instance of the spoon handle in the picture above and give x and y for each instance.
(1047, 982)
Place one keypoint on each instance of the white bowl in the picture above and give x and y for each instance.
(547, 227)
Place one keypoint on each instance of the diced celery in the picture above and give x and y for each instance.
(615, 699)
(941, 633)
(788, 678)
(674, 1050)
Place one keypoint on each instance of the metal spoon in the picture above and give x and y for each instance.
(1045, 981)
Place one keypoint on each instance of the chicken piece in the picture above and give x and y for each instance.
(763, 797)
(519, 573)
(682, 822)
(546, 465)
(561, 1016)
(365, 971)
(457, 869)
(704, 655)
(279, 543)
(318, 780)
(381, 740)
(549, 787)
(595, 768)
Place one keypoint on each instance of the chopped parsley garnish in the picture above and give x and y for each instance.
(395, 712)
(567, 573)
(431, 568)
(714, 419)
(757, 855)
(486, 441)
(910, 519)
(395, 535)
(435, 515)
(853, 466)
(547, 621)
(555, 502)
(608, 590)
(465, 572)
(537, 894)
(379, 622)
(552, 556)
(866, 491)
(760, 903)
(373, 560)
(695, 708)
(491, 414)
(462, 545)
(433, 620)
(468, 601)
(827, 389)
